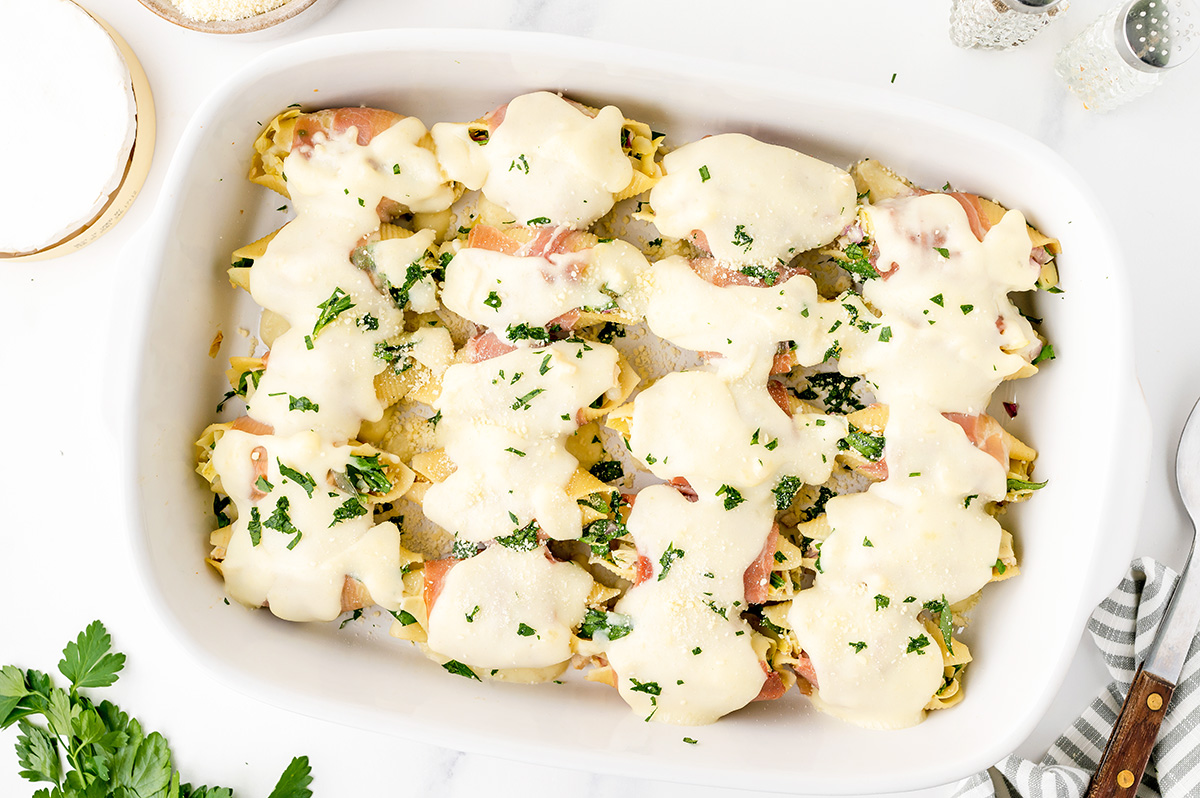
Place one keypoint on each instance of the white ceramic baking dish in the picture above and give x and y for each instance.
(1084, 412)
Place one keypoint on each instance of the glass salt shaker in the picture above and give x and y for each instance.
(1000, 24)
(1124, 54)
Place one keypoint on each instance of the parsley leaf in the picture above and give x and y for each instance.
(457, 668)
(523, 539)
(867, 444)
(86, 661)
(612, 625)
(1020, 484)
(733, 497)
(917, 644)
(785, 491)
(339, 302)
(305, 480)
(668, 558)
(294, 782)
(525, 630)
(741, 238)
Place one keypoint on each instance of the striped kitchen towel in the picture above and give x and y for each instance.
(1123, 626)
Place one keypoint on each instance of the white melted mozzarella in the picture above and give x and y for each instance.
(696, 424)
(509, 609)
(922, 535)
(689, 659)
(302, 555)
(307, 277)
(949, 314)
(861, 654)
(546, 160)
(754, 202)
(742, 323)
(504, 291)
(505, 422)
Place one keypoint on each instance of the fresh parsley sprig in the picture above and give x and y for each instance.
(85, 749)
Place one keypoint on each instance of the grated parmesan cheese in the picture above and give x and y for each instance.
(224, 10)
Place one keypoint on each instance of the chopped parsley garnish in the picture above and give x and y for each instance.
(282, 522)
(697, 651)
(741, 238)
(351, 508)
(338, 303)
(881, 602)
(837, 391)
(967, 501)
(1047, 353)
(525, 630)
(650, 688)
(246, 380)
(733, 497)
(522, 402)
(867, 444)
(520, 164)
(1000, 567)
(859, 646)
(243, 263)
(219, 504)
(857, 262)
(722, 611)
(522, 331)
(523, 539)
(263, 485)
(435, 418)
(938, 300)
(517, 452)
(367, 321)
(607, 470)
(599, 534)
(690, 741)
(1020, 484)
(867, 543)
(945, 620)
(917, 644)
(366, 474)
(833, 352)
(910, 599)
(966, 309)
(824, 494)
(542, 369)
(668, 559)
(945, 253)
(539, 220)
(704, 176)
(885, 334)
(464, 549)
(457, 668)
(785, 491)
(358, 613)
(255, 527)
(610, 331)
(764, 274)
(305, 480)
(493, 300)
(303, 404)
(612, 625)
(405, 617)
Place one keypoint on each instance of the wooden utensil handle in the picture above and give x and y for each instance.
(1133, 736)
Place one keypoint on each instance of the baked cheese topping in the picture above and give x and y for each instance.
(297, 538)
(547, 159)
(505, 291)
(754, 202)
(505, 423)
(505, 608)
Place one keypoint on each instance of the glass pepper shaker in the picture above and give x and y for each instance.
(1125, 53)
(1000, 24)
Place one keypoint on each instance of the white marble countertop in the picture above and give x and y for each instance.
(63, 555)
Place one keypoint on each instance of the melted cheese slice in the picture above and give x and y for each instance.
(754, 202)
(300, 574)
(509, 609)
(689, 659)
(505, 423)
(503, 291)
(546, 160)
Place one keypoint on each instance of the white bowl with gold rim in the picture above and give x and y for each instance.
(1084, 413)
(119, 171)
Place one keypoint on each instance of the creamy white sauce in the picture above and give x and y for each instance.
(505, 422)
(62, 161)
(300, 575)
(688, 638)
(922, 535)
(547, 159)
(503, 291)
(754, 202)
(509, 609)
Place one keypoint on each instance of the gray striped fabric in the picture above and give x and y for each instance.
(1123, 626)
